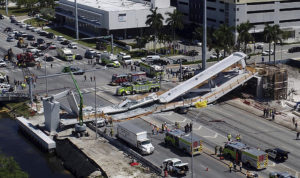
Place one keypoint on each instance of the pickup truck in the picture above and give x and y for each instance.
(277, 154)
(175, 166)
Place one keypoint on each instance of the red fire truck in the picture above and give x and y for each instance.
(118, 79)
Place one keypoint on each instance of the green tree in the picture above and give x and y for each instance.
(155, 22)
(10, 169)
(272, 34)
(174, 22)
(225, 38)
(244, 36)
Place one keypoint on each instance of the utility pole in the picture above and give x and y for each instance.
(6, 7)
(30, 90)
(180, 70)
(76, 20)
(112, 43)
(192, 148)
(46, 78)
(204, 36)
(96, 124)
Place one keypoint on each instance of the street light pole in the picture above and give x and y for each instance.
(204, 36)
(46, 78)
(192, 148)
(96, 124)
(76, 20)
(6, 7)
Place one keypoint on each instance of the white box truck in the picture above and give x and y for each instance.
(135, 136)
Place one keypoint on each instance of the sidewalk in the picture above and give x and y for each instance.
(250, 106)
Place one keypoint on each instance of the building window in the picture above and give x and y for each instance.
(122, 17)
(260, 11)
(183, 3)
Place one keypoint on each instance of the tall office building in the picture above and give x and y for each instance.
(285, 13)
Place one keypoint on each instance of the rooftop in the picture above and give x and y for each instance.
(114, 5)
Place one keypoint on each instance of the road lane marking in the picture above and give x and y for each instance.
(215, 136)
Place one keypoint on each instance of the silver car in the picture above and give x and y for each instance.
(10, 39)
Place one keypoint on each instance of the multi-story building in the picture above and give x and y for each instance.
(285, 13)
(101, 17)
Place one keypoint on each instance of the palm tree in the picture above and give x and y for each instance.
(276, 38)
(155, 22)
(174, 21)
(226, 37)
(272, 34)
(268, 36)
(244, 35)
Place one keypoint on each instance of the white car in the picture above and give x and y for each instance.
(22, 25)
(10, 39)
(3, 64)
(18, 23)
(60, 38)
(28, 26)
(267, 52)
(100, 122)
(72, 45)
(214, 56)
(11, 34)
(32, 50)
(259, 45)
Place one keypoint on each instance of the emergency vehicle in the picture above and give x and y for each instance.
(137, 87)
(109, 60)
(118, 79)
(151, 70)
(65, 54)
(183, 141)
(249, 156)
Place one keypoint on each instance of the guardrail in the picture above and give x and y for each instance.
(129, 151)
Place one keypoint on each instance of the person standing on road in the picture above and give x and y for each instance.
(296, 125)
(216, 150)
(91, 78)
(229, 137)
(84, 77)
(273, 116)
(221, 150)
(111, 132)
(230, 166)
(94, 78)
(51, 65)
(297, 135)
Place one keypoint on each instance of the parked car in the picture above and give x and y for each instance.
(100, 122)
(72, 45)
(52, 46)
(32, 50)
(13, 21)
(22, 25)
(192, 53)
(42, 47)
(65, 42)
(78, 57)
(23, 34)
(175, 166)
(60, 38)
(267, 52)
(43, 33)
(49, 58)
(8, 29)
(181, 110)
(90, 53)
(215, 56)
(3, 64)
(30, 38)
(277, 154)
(18, 23)
(75, 70)
(51, 35)
(34, 29)
(11, 34)
(28, 26)
(10, 39)
(178, 61)
(280, 175)
(259, 45)
(40, 41)
(294, 49)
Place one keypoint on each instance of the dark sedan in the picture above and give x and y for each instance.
(277, 154)
(30, 38)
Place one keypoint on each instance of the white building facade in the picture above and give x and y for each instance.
(101, 17)
(285, 13)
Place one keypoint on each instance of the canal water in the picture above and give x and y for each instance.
(33, 161)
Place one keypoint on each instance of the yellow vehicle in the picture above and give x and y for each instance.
(251, 157)
(183, 141)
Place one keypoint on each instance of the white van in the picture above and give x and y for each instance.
(152, 57)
